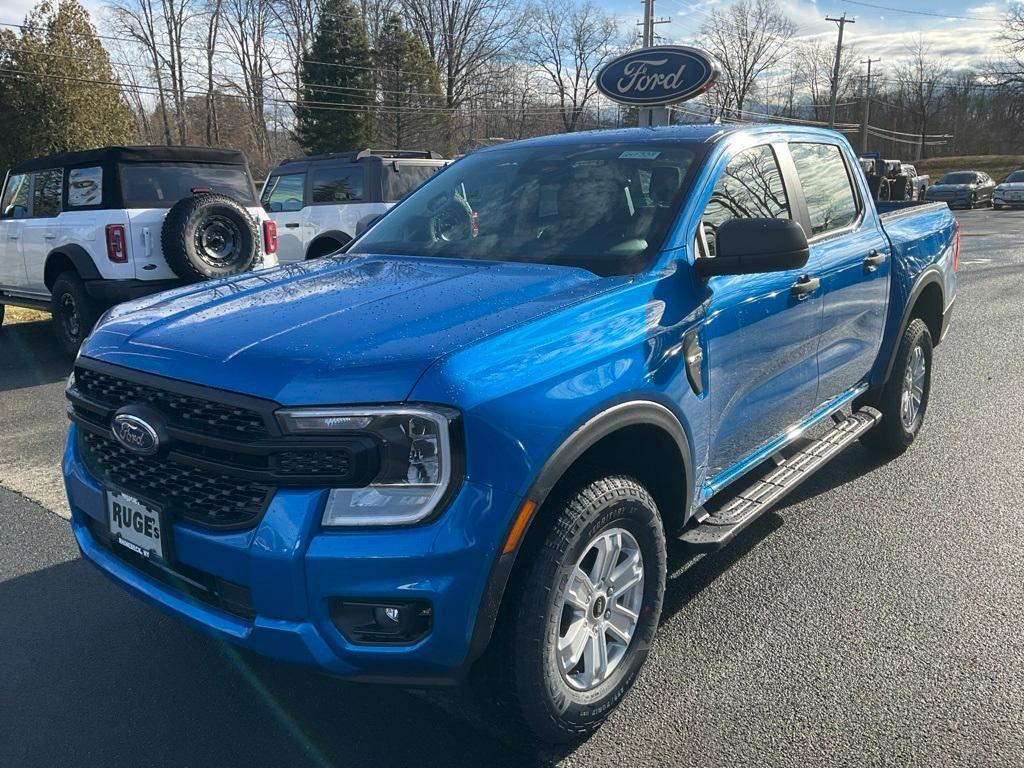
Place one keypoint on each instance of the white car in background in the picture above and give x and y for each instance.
(1010, 192)
(321, 202)
(82, 231)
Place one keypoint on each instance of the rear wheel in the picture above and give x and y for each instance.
(904, 398)
(585, 618)
(208, 236)
(74, 312)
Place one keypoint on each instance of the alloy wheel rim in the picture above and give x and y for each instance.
(913, 388)
(600, 609)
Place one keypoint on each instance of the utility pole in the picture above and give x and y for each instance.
(651, 116)
(865, 116)
(649, 22)
(842, 21)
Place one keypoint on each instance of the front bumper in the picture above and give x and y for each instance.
(291, 569)
(998, 200)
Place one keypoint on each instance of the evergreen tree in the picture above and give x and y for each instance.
(68, 96)
(336, 81)
(411, 112)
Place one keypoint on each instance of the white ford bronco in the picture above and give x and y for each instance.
(81, 231)
(321, 202)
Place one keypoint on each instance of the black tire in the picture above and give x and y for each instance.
(3, 308)
(322, 248)
(74, 311)
(208, 236)
(893, 435)
(554, 710)
(996, 207)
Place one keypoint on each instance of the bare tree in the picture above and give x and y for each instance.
(213, 21)
(570, 40)
(138, 20)
(748, 38)
(464, 38)
(919, 78)
(814, 63)
(246, 25)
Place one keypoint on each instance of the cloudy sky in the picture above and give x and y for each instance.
(961, 33)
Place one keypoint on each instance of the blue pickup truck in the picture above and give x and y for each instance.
(460, 445)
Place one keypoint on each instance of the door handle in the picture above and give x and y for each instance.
(804, 287)
(12, 237)
(873, 260)
(292, 224)
(49, 237)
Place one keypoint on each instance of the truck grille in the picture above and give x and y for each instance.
(181, 410)
(208, 498)
(224, 457)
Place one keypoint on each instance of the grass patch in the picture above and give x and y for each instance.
(996, 166)
(19, 315)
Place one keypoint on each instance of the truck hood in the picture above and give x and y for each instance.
(953, 187)
(338, 330)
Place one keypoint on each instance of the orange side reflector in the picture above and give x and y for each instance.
(519, 526)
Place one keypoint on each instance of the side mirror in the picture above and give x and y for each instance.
(366, 222)
(748, 246)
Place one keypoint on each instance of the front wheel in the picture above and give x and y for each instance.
(586, 616)
(904, 398)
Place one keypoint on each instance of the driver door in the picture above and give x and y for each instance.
(762, 329)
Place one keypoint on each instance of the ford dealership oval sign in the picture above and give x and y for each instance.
(661, 75)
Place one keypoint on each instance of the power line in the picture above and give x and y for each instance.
(920, 13)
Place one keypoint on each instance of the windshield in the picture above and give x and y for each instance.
(604, 207)
(161, 185)
(1016, 177)
(958, 178)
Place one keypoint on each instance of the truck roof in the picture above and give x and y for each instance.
(133, 154)
(363, 154)
(702, 133)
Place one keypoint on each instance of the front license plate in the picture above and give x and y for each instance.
(135, 526)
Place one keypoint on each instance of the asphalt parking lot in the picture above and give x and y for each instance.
(873, 619)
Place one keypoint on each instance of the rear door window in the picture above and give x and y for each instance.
(46, 191)
(85, 187)
(161, 185)
(831, 201)
(338, 185)
(285, 192)
(16, 197)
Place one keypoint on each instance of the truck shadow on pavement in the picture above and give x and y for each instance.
(30, 355)
(94, 677)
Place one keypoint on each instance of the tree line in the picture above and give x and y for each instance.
(279, 77)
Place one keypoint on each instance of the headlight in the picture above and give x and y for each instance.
(416, 461)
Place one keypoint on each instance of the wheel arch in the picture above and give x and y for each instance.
(67, 257)
(926, 301)
(641, 438)
(332, 235)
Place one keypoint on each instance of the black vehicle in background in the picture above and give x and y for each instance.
(967, 189)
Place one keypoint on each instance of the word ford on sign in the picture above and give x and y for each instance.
(660, 75)
(636, 77)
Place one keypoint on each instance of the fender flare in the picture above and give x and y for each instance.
(931, 275)
(332, 234)
(594, 429)
(79, 258)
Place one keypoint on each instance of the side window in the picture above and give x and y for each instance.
(750, 188)
(831, 201)
(85, 186)
(46, 193)
(16, 197)
(338, 185)
(284, 193)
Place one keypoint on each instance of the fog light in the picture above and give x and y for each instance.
(382, 621)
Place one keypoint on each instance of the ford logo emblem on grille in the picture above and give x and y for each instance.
(136, 431)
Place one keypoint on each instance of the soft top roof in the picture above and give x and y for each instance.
(139, 154)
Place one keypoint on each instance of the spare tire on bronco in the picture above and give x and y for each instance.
(208, 236)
